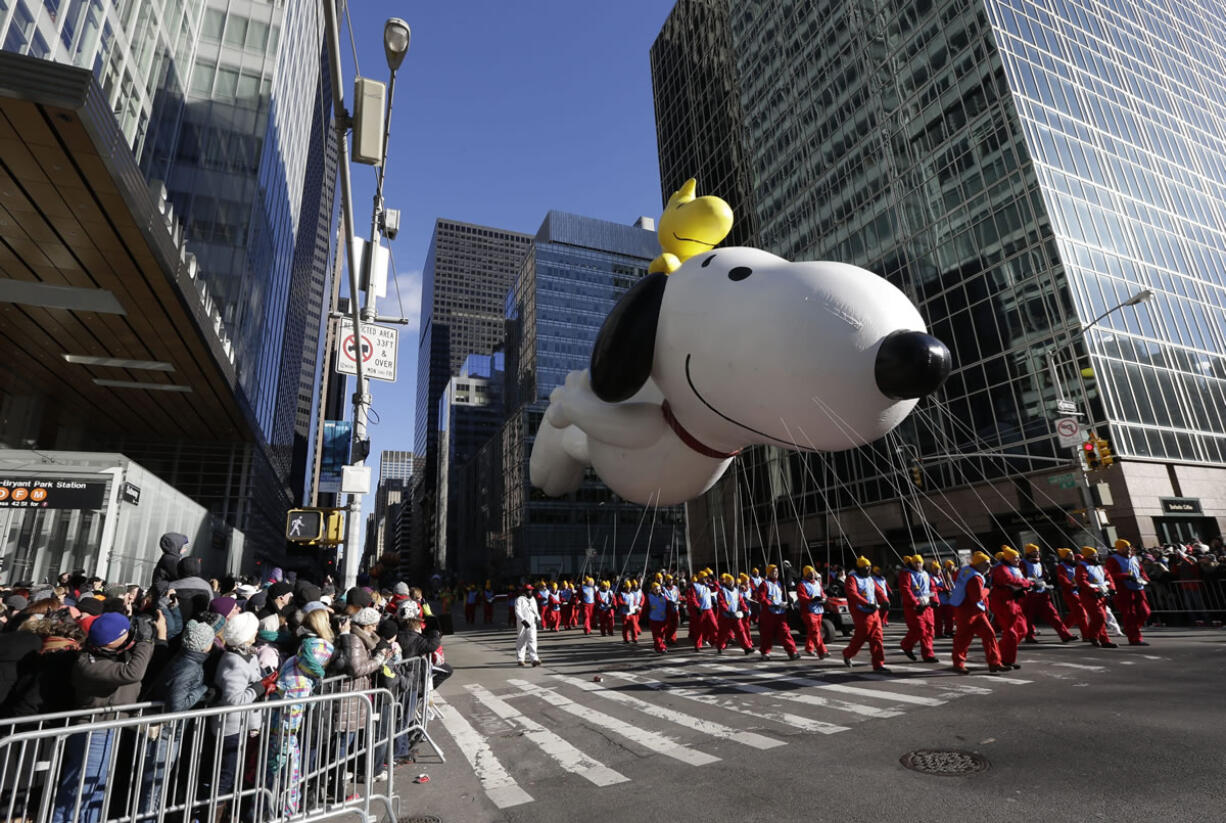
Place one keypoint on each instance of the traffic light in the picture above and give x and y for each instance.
(304, 525)
(334, 527)
(1090, 452)
(917, 476)
(1104, 452)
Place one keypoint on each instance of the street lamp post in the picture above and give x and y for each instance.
(1067, 406)
(395, 45)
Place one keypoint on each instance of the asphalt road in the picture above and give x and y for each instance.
(1077, 734)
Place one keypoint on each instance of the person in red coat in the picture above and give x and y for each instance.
(918, 599)
(552, 618)
(749, 604)
(630, 605)
(1094, 587)
(657, 616)
(1130, 581)
(702, 602)
(864, 598)
(943, 585)
(1038, 606)
(606, 607)
(1005, 599)
(673, 594)
(1066, 577)
(810, 598)
(730, 615)
(971, 615)
(773, 616)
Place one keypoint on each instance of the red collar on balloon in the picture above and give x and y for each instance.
(692, 441)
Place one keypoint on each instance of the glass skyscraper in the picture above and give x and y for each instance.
(1018, 168)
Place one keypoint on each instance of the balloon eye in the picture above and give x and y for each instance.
(707, 262)
(740, 273)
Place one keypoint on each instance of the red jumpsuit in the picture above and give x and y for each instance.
(1007, 609)
(944, 612)
(1129, 579)
(631, 604)
(657, 614)
(1075, 614)
(863, 597)
(470, 607)
(673, 619)
(1038, 605)
(587, 604)
(606, 602)
(809, 597)
(702, 625)
(731, 626)
(748, 608)
(487, 604)
(1092, 587)
(972, 618)
(917, 611)
(773, 618)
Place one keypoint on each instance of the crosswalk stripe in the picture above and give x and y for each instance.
(927, 680)
(995, 678)
(718, 730)
(659, 743)
(794, 721)
(897, 697)
(825, 702)
(566, 755)
(1081, 667)
(499, 786)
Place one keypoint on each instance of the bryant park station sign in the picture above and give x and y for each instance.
(50, 493)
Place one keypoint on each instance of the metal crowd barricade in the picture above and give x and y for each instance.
(299, 759)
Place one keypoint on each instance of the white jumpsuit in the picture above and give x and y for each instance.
(526, 612)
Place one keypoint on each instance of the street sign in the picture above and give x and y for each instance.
(1069, 431)
(46, 493)
(377, 349)
(130, 493)
(1066, 406)
(1064, 481)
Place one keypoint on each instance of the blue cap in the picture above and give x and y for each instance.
(107, 628)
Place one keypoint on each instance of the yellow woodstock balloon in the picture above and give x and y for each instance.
(688, 226)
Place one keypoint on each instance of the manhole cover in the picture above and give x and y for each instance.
(421, 818)
(945, 762)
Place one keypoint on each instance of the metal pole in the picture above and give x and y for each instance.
(361, 395)
(1079, 465)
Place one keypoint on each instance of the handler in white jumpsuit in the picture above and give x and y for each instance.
(528, 616)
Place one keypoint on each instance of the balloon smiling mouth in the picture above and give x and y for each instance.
(689, 379)
(693, 240)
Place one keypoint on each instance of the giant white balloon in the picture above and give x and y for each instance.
(736, 347)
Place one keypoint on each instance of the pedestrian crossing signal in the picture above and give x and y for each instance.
(304, 525)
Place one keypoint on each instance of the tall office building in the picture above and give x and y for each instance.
(395, 474)
(219, 126)
(464, 284)
(1018, 173)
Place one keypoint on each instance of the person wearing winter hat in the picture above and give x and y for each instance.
(971, 615)
(357, 599)
(267, 644)
(864, 596)
(225, 606)
(107, 673)
(172, 545)
(356, 660)
(1130, 581)
(1093, 587)
(239, 682)
(1008, 587)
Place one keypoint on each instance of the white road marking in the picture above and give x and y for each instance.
(566, 755)
(794, 721)
(1081, 667)
(499, 786)
(658, 743)
(1016, 681)
(829, 703)
(718, 730)
(897, 697)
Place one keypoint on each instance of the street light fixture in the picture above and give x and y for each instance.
(396, 36)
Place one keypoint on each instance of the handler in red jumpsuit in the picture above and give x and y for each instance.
(487, 602)
(470, 605)
(731, 615)
(630, 605)
(810, 597)
(1008, 588)
(773, 617)
(972, 615)
(657, 616)
(587, 602)
(863, 599)
(1066, 576)
(1038, 603)
(606, 605)
(552, 618)
(918, 600)
(673, 619)
(943, 585)
(1094, 587)
(702, 602)
(749, 604)
(1130, 581)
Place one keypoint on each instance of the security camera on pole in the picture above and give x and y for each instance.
(370, 122)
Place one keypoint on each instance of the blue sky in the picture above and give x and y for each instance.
(503, 111)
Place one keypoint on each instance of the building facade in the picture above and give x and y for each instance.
(225, 108)
(395, 475)
(465, 279)
(1018, 173)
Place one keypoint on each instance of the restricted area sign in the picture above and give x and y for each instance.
(1068, 429)
(377, 349)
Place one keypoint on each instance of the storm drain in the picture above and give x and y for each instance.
(421, 818)
(945, 762)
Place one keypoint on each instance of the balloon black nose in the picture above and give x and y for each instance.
(911, 364)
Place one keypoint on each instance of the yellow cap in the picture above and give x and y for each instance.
(1089, 551)
(1030, 548)
(655, 585)
(949, 564)
(589, 581)
(770, 567)
(744, 578)
(980, 557)
(934, 566)
(625, 584)
(725, 578)
(863, 562)
(668, 578)
(876, 570)
(553, 586)
(808, 570)
(1063, 553)
(918, 558)
(1122, 544)
(1009, 553)
(604, 582)
(659, 576)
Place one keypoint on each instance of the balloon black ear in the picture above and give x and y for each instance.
(626, 346)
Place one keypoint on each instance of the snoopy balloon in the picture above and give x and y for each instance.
(717, 349)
